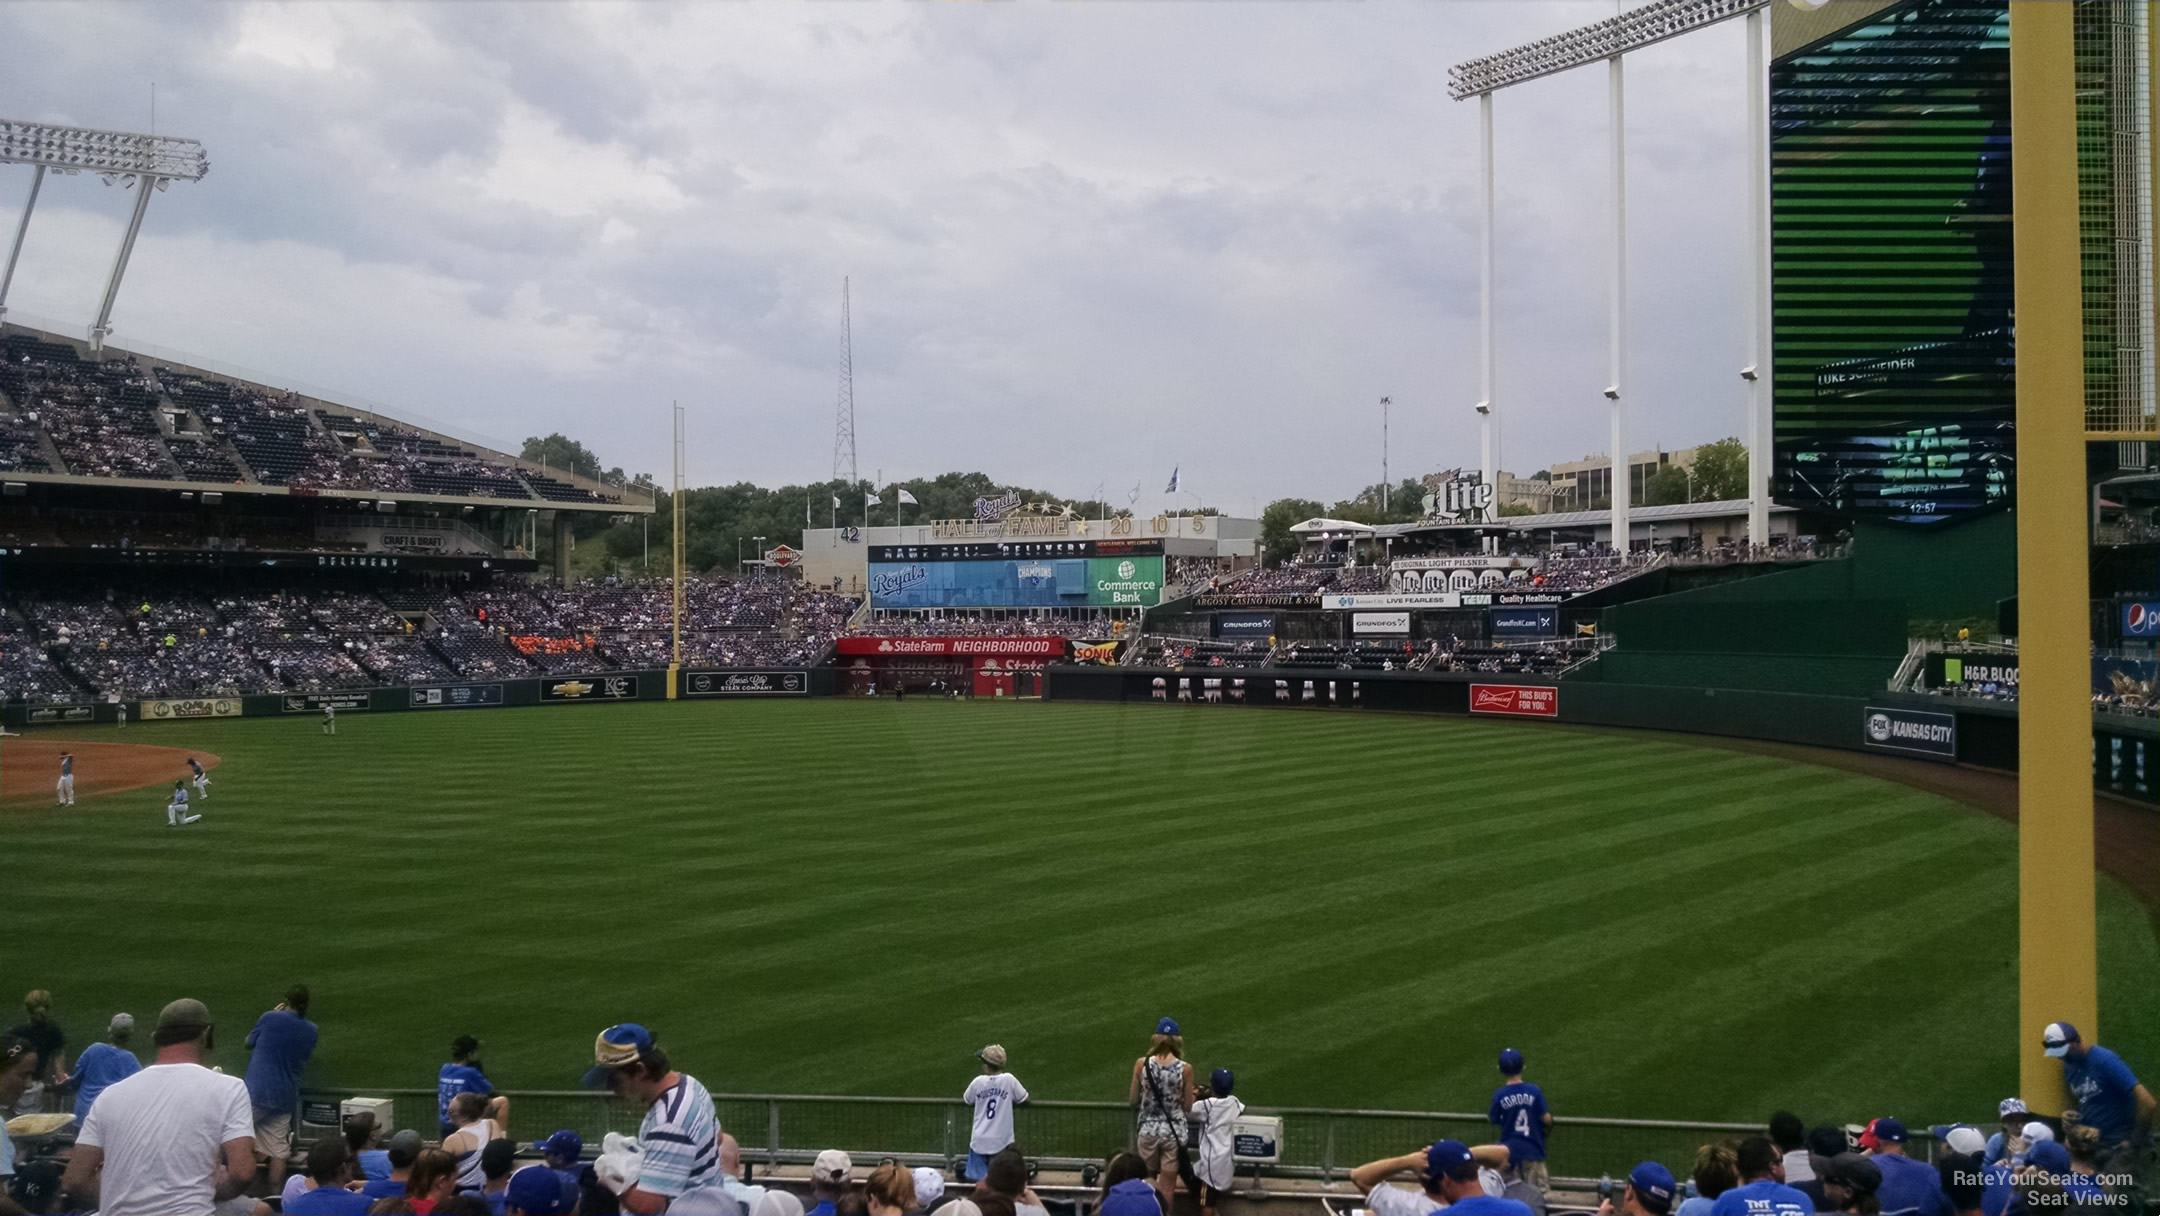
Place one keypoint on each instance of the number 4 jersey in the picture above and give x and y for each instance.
(1518, 1109)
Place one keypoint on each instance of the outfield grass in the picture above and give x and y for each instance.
(849, 897)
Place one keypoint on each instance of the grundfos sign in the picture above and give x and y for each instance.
(1004, 648)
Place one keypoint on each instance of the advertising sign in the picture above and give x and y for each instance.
(1961, 669)
(1127, 581)
(1392, 624)
(1912, 731)
(1523, 622)
(2141, 619)
(43, 714)
(1417, 599)
(1245, 625)
(745, 684)
(191, 707)
(455, 696)
(1519, 700)
(313, 702)
(588, 688)
(1004, 648)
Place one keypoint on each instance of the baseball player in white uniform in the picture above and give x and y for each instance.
(176, 810)
(202, 779)
(64, 793)
(329, 718)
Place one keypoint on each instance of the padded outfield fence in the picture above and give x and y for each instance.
(1317, 1142)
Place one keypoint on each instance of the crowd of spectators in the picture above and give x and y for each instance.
(154, 638)
(182, 1135)
(117, 417)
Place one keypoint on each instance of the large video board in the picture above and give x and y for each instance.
(1895, 376)
(1077, 582)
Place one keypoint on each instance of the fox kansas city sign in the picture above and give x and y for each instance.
(1912, 731)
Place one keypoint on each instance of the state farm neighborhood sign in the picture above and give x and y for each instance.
(1017, 648)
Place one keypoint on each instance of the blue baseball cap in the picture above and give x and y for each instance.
(615, 1047)
(565, 1144)
(1449, 1159)
(539, 1191)
(1889, 1130)
(2057, 1038)
(2049, 1155)
(1222, 1081)
(1510, 1061)
(1166, 1026)
(1653, 1185)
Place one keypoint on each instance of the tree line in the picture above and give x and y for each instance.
(722, 522)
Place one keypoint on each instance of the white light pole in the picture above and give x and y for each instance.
(1757, 373)
(1488, 439)
(139, 162)
(1617, 354)
(1384, 403)
(22, 229)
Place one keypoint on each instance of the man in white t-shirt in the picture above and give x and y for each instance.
(175, 1139)
(993, 1095)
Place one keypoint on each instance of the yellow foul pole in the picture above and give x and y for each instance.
(2056, 954)
(675, 510)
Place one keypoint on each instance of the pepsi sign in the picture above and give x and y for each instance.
(2141, 619)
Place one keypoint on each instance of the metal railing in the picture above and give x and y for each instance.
(1317, 1142)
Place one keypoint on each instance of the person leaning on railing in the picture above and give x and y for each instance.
(1446, 1178)
(1162, 1094)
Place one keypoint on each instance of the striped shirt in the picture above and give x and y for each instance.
(681, 1142)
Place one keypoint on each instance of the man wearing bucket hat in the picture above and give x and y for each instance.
(993, 1094)
(674, 1165)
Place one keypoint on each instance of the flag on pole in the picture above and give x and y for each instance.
(873, 501)
(805, 512)
(836, 502)
(1172, 487)
(908, 500)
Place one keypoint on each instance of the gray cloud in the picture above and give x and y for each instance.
(1087, 241)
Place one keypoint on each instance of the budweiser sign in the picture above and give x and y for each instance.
(1011, 648)
(1521, 700)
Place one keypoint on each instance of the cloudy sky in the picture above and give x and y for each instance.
(1087, 241)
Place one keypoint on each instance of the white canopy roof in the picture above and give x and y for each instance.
(1323, 524)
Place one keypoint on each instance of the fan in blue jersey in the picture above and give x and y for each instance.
(2109, 1098)
(1519, 1111)
(1762, 1190)
(462, 1075)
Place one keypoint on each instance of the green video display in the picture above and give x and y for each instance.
(1895, 375)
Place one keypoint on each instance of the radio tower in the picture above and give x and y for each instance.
(843, 444)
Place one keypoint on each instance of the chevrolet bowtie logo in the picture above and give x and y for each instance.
(573, 688)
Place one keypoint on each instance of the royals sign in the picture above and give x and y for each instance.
(987, 509)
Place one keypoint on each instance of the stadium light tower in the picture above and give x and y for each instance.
(1608, 41)
(141, 163)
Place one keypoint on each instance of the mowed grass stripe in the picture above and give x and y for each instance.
(1350, 908)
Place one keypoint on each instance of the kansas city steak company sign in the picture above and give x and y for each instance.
(1004, 648)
